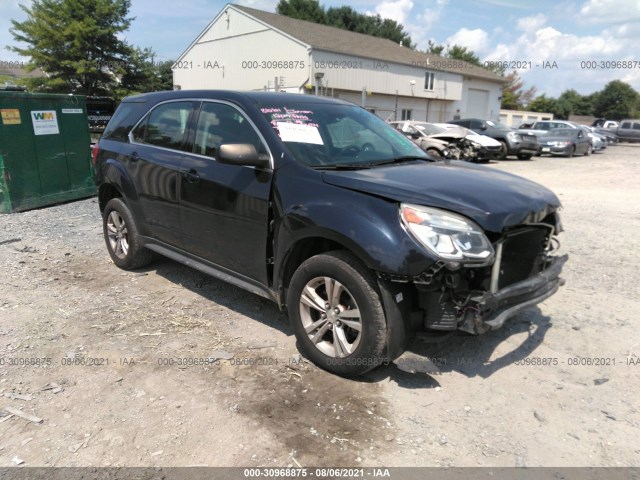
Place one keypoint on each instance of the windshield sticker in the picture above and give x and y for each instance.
(290, 115)
(294, 132)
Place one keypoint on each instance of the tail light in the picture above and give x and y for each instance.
(94, 153)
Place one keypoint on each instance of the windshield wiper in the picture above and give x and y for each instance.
(344, 166)
(402, 159)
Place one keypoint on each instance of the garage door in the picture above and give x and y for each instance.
(477, 103)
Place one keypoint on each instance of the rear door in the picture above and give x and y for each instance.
(153, 159)
(225, 208)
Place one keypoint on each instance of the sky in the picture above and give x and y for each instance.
(557, 44)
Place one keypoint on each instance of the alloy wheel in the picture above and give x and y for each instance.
(118, 234)
(330, 317)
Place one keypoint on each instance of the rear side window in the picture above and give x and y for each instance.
(219, 123)
(165, 126)
(121, 122)
(625, 125)
(636, 126)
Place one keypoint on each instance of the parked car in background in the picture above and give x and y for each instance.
(629, 131)
(523, 145)
(485, 148)
(606, 128)
(99, 112)
(565, 142)
(598, 141)
(365, 248)
(541, 127)
(603, 123)
(421, 134)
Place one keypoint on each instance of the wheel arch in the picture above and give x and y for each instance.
(114, 182)
(308, 246)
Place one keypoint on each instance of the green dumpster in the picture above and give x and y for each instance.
(44, 150)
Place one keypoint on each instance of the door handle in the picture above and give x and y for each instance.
(190, 175)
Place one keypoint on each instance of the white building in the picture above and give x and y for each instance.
(514, 118)
(248, 49)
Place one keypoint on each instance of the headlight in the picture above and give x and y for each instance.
(449, 236)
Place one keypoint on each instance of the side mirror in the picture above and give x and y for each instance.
(483, 126)
(243, 154)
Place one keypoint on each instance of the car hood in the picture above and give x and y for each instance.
(446, 136)
(483, 140)
(495, 200)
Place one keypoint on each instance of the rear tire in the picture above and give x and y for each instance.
(589, 151)
(524, 156)
(337, 315)
(122, 237)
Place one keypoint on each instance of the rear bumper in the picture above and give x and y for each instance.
(491, 310)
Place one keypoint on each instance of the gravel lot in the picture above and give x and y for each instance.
(105, 358)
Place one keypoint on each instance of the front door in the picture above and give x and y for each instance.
(225, 208)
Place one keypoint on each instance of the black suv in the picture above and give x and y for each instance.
(522, 145)
(328, 211)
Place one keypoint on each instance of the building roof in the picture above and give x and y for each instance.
(17, 72)
(337, 40)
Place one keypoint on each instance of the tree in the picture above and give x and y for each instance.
(463, 53)
(75, 42)
(345, 18)
(570, 103)
(616, 101)
(434, 48)
(543, 104)
(514, 94)
(309, 10)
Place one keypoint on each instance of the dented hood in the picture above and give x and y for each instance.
(495, 200)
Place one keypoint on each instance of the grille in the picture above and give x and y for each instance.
(529, 138)
(522, 255)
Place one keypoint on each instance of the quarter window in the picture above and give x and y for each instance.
(165, 126)
(219, 123)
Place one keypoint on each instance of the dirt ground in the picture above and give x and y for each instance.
(135, 369)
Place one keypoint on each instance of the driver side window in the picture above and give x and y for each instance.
(219, 123)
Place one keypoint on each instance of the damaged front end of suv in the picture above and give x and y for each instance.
(479, 282)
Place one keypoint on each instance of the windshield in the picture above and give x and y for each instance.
(428, 128)
(457, 129)
(334, 135)
(498, 125)
(561, 132)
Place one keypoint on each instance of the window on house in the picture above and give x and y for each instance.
(406, 114)
(429, 80)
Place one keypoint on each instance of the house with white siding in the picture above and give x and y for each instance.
(248, 49)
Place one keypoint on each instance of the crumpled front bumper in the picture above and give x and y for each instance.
(489, 311)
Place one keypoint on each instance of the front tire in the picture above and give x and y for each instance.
(504, 150)
(122, 237)
(337, 314)
(434, 153)
(524, 156)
